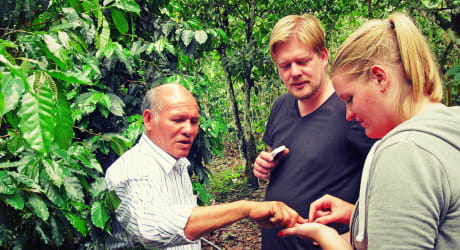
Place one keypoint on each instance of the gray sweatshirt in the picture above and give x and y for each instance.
(410, 188)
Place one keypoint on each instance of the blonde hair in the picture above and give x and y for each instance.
(396, 40)
(306, 28)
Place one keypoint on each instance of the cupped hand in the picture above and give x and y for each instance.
(329, 209)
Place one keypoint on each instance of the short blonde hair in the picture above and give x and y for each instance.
(306, 28)
(396, 40)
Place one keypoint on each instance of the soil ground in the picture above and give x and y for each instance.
(241, 235)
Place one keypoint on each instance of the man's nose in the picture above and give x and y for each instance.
(295, 70)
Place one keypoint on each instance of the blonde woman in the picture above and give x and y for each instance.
(410, 188)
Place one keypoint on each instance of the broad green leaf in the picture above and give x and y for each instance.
(120, 21)
(43, 235)
(12, 90)
(117, 107)
(15, 144)
(104, 37)
(77, 222)
(74, 189)
(187, 37)
(99, 214)
(64, 39)
(128, 5)
(97, 188)
(39, 206)
(16, 201)
(54, 172)
(118, 143)
(112, 201)
(52, 193)
(166, 28)
(201, 36)
(7, 185)
(38, 119)
(70, 76)
(16, 70)
(222, 34)
(55, 48)
(30, 184)
(56, 231)
(64, 123)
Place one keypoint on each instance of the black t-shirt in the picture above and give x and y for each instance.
(326, 156)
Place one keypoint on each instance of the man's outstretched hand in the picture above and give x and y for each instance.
(271, 214)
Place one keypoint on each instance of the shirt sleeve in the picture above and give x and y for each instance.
(146, 214)
(405, 198)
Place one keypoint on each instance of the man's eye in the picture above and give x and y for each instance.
(284, 66)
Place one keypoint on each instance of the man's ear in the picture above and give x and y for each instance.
(147, 116)
(378, 74)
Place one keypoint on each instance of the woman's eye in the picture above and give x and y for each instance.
(350, 99)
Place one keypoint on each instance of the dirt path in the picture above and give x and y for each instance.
(244, 234)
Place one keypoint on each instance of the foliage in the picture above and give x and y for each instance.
(73, 76)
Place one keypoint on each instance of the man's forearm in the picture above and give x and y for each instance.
(207, 219)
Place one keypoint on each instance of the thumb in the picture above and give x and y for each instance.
(287, 232)
(326, 219)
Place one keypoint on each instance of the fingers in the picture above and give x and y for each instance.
(263, 165)
(319, 208)
(285, 216)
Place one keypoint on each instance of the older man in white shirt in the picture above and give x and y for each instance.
(158, 208)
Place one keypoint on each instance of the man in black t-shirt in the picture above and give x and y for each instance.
(325, 152)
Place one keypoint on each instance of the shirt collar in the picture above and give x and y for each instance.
(167, 162)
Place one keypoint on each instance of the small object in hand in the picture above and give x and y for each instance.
(276, 153)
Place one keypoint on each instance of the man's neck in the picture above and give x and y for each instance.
(307, 106)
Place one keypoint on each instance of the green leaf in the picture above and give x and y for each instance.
(16, 70)
(39, 206)
(56, 49)
(117, 105)
(64, 123)
(30, 184)
(70, 76)
(99, 214)
(120, 21)
(74, 189)
(201, 36)
(112, 201)
(7, 185)
(54, 172)
(52, 193)
(76, 222)
(12, 90)
(56, 231)
(16, 201)
(104, 37)
(187, 37)
(38, 119)
(15, 144)
(43, 235)
(128, 5)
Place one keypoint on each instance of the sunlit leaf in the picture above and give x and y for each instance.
(187, 37)
(39, 206)
(38, 119)
(70, 76)
(77, 222)
(54, 172)
(74, 189)
(201, 36)
(128, 5)
(12, 90)
(16, 201)
(99, 214)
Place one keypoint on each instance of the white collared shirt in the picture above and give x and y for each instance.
(156, 199)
